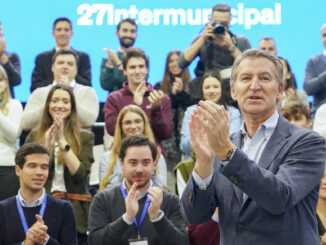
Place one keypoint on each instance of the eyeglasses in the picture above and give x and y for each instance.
(128, 123)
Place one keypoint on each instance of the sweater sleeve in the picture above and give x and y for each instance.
(101, 230)
(10, 125)
(172, 227)
(314, 81)
(33, 109)
(111, 112)
(87, 106)
(111, 78)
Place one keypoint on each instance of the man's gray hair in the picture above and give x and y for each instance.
(253, 54)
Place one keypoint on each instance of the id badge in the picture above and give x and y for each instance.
(138, 241)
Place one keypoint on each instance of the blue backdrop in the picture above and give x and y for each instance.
(163, 26)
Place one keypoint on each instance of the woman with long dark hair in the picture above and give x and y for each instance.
(71, 153)
(175, 84)
(211, 89)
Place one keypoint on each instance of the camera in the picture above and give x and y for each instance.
(218, 28)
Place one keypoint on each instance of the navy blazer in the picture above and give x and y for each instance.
(282, 191)
(42, 73)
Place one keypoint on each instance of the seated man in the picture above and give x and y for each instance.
(34, 217)
(135, 209)
(137, 91)
(42, 75)
(64, 68)
(10, 62)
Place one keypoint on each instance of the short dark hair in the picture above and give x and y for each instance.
(129, 20)
(294, 108)
(221, 7)
(61, 19)
(137, 140)
(28, 149)
(134, 53)
(63, 52)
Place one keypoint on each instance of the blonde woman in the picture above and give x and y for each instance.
(131, 120)
(11, 112)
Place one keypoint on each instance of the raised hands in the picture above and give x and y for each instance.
(113, 58)
(37, 233)
(177, 86)
(155, 194)
(131, 202)
(155, 97)
(209, 132)
(55, 132)
(139, 93)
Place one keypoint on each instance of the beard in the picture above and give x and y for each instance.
(126, 42)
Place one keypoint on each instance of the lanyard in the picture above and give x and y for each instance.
(325, 58)
(21, 212)
(143, 214)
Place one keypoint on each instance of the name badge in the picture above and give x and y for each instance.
(138, 241)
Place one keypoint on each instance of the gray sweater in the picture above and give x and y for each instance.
(106, 225)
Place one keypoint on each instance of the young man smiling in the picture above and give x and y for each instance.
(136, 209)
(136, 90)
(33, 217)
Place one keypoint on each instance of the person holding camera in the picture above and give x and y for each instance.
(216, 48)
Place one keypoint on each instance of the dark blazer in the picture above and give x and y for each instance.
(282, 191)
(42, 74)
(13, 71)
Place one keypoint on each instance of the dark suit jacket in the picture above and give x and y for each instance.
(13, 71)
(42, 74)
(282, 190)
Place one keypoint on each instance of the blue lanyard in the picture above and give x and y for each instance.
(325, 58)
(21, 212)
(142, 217)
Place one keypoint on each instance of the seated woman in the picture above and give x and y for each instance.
(290, 86)
(175, 84)
(11, 112)
(71, 153)
(131, 120)
(212, 89)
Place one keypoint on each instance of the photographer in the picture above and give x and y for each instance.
(216, 47)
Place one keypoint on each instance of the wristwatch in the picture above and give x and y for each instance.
(229, 155)
(65, 148)
(232, 48)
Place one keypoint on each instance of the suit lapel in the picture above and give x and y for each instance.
(237, 140)
(275, 143)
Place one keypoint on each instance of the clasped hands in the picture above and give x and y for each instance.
(155, 194)
(37, 233)
(55, 132)
(155, 97)
(209, 135)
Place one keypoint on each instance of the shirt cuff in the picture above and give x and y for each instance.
(215, 217)
(46, 239)
(202, 183)
(126, 220)
(159, 216)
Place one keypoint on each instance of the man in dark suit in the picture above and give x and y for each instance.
(315, 75)
(265, 179)
(10, 62)
(42, 74)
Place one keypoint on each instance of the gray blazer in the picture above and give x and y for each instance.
(282, 191)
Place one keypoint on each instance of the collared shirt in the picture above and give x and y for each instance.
(324, 52)
(143, 194)
(36, 203)
(57, 49)
(72, 84)
(253, 147)
(58, 182)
